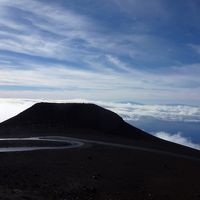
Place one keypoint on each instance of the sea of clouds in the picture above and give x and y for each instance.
(128, 111)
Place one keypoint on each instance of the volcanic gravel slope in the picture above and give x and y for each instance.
(94, 171)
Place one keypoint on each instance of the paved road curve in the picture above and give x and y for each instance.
(77, 142)
(120, 146)
(66, 144)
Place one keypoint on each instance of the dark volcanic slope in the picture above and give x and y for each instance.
(95, 171)
(85, 121)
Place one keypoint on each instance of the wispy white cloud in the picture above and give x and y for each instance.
(177, 138)
(118, 63)
(121, 82)
(53, 31)
(44, 30)
(96, 55)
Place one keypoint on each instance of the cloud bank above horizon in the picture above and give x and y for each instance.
(128, 111)
(109, 50)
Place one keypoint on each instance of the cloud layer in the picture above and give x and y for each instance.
(177, 138)
(128, 111)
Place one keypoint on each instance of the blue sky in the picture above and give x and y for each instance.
(116, 50)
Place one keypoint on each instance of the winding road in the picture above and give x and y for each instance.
(66, 144)
(70, 142)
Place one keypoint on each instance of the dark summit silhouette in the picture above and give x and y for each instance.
(66, 116)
